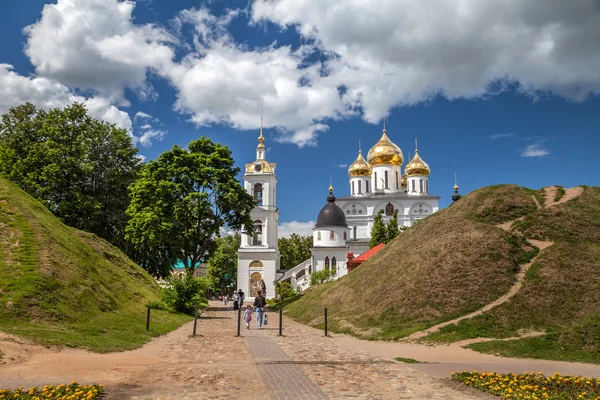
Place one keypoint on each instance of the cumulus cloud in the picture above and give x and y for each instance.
(501, 136)
(93, 44)
(401, 52)
(46, 93)
(535, 150)
(301, 228)
(152, 134)
(143, 116)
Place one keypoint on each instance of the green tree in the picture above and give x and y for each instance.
(326, 275)
(379, 232)
(185, 293)
(78, 167)
(222, 265)
(392, 227)
(294, 250)
(284, 290)
(182, 200)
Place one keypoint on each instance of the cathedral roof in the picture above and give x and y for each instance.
(359, 167)
(417, 166)
(385, 152)
(331, 214)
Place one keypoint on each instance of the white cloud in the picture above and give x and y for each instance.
(46, 93)
(535, 150)
(501, 136)
(343, 165)
(149, 135)
(146, 126)
(300, 228)
(142, 115)
(401, 52)
(93, 44)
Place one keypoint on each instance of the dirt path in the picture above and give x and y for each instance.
(217, 365)
(570, 193)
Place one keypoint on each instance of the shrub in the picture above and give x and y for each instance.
(318, 277)
(184, 293)
(284, 290)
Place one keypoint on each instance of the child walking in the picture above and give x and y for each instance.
(248, 316)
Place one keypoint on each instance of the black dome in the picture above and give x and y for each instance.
(331, 215)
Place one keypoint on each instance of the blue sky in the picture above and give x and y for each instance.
(498, 91)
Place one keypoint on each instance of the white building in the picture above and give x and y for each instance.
(377, 184)
(258, 256)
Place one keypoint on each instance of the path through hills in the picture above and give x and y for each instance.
(550, 192)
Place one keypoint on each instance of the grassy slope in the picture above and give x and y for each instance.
(561, 293)
(449, 264)
(59, 285)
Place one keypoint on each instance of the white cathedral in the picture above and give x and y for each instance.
(343, 224)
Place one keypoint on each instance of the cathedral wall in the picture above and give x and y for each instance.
(393, 183)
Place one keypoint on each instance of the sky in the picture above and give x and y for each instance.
(498, 91)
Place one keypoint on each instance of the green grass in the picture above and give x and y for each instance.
(66, 287)
(407, 360)
(560, 193)
(277, 306)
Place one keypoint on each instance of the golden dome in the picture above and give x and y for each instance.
(404, 180)
(417, 166)
(359, 167)
(385, 152)
(260, 167)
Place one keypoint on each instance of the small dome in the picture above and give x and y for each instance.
(417, 166)
(359, 167)
(331, 214)
(385, 152)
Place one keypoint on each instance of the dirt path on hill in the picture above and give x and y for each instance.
(570, 193)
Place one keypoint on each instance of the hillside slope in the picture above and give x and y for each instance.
(63, 286)
(447, 265)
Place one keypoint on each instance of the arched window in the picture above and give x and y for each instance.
(333, 266)
(386, 180)
(257, 191)
(376, 185)
(352, 187)
(367, 185)
(397, 181)
(354, 231)
(413, 185)
(345, 236)
(327, 262)
(256, 264)
(421, 185)
(389, 209)
(318, 236)
(426, 186)
(257, 237)
(359, 187)
(331, 235)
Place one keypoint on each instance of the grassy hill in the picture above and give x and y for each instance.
(458, 260)
(62, 286)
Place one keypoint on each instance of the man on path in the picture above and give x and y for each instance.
(242, 297)
(236, 301)
(259, 304)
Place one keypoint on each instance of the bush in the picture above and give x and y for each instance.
(184, 293)
(284, 290)
(316, 278)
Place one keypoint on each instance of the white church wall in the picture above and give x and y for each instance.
(392, 171)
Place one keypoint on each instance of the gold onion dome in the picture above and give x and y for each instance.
(359, 167)
(417, 166)
(385, 152)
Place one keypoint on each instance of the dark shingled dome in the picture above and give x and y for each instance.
(331, 215)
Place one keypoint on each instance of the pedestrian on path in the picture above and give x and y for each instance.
(226, 299)
(248, 316)
(242, 297)
(259, 303)
(236, 301)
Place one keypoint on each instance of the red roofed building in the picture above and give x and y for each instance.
(355, 262)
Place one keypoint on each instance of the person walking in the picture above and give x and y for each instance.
(236, 301)
(226, 298)
(259, 304)
(248, 316)
(242, 297)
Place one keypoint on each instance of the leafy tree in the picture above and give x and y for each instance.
(184, 293)
(294, 250)
(392, 227)
(222, 265)
(284, 290)
(182, 200)
(76, 166)
(379, 232)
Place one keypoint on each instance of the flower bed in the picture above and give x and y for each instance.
(532, 386)
(74, 391)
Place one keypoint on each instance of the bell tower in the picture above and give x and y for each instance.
(258, 255)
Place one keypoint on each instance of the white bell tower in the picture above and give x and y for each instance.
(258, 256)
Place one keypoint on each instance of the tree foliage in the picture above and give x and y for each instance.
(180, 203)
(184, 293)
(78, 167)
(318, 277)
(222, 265)
(392, 229)
(379, 231)
(294, 250)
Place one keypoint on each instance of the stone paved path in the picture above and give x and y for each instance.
(284, 381)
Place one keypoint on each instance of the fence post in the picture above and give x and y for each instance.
(325, 321)
(239, 320)
(280, 321)
(148, 320)
(195, 322)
